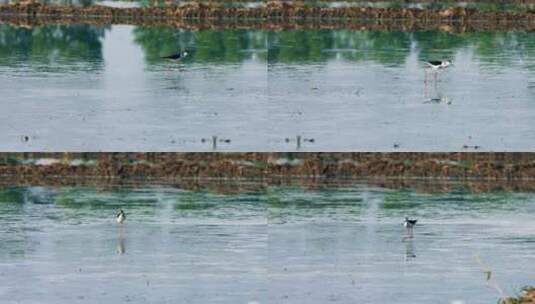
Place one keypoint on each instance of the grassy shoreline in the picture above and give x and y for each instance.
(270, 11)
(250, 185)
(275, 25)
(272, 16)
(492, 167)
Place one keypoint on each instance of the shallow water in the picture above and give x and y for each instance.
(85, 88)
(282, 245)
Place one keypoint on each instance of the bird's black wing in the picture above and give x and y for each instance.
(174, 56)
(434, 62)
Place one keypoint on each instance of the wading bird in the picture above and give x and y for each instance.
(409, 224)
(178, 56)
(435, 66)
(121, 217)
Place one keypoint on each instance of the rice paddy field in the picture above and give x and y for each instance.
(262, 90)
(280, 244)
(267, 81)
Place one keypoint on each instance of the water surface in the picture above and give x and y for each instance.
(85, 88)
(280, 245)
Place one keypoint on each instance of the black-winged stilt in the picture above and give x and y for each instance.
(409, 249)
(409, 224)
(436, 65)
(177, 56)
(121, 217)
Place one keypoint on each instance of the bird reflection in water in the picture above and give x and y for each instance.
(410, 252)
(435, 66)
(438, 99)
(490, 280)
(121, 247)
(409, 238)
(436, 95)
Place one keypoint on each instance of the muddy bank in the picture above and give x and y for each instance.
(273, 16)
(398, 1)
(268, 11)
(277, 24)
(459, 166)
(241, 185)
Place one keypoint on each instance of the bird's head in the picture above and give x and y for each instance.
(447, 63)
(184, 54)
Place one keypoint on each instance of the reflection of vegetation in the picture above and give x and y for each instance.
(393, 48)
(288, 202)
(12, 195)
(13, 238)
(300, 45)
(191, 201)
(44, 45)
(203, 46)
(438, 44)
(77, 198)
(402, 199)
(389, 48)
(490, 47)
(403, 202)
(81, 204)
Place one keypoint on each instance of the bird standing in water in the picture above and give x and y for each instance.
(435, 66)
(121, 217)
(409, 224)
(178, 56)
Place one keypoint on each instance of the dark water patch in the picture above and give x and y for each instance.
(52, 49)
